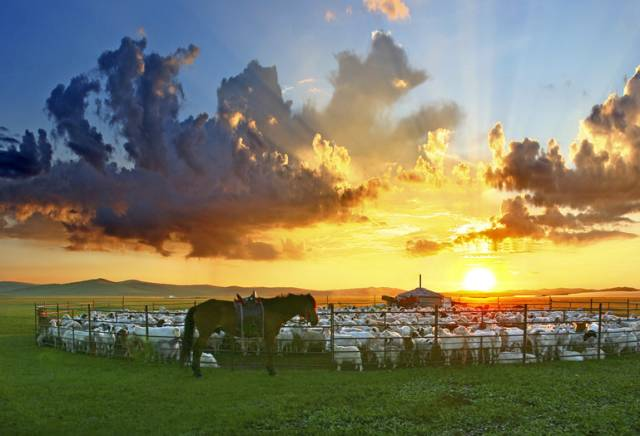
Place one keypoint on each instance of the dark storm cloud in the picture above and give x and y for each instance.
(67, 107)
(144, 98)
(26, 158)
(215, 182)
(37, 227)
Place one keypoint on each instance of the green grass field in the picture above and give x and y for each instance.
(47, 391)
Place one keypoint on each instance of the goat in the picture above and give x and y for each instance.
(350, 354)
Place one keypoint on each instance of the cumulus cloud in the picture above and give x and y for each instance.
(586, 198)
(24, 158)
(516, 221)
(496, 142)
(393, 9)
(430, 163)
(603, 175)
(144, 97)
(425, 247)
(364, 92)
(67, 107)
(579, 200)
(357, 115)
(461, 173)
(217, 183)
(434, 166)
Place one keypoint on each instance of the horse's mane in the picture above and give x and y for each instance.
(291, 296)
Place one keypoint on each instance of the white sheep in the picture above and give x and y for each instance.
(449, 344)
(591, 353)
(284, 340)
(571, 356)
(350, 354)
(208, 361)
(515, 357)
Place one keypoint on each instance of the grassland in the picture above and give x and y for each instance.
(46, 391)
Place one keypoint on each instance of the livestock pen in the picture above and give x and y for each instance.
(360, 335)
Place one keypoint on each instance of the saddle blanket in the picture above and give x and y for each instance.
(250, 317)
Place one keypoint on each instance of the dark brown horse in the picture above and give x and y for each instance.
(215, 315)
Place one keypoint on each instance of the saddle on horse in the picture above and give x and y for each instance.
(250, 315)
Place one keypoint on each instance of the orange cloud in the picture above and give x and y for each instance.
(425, 247)
(329, 16)
(395, 10)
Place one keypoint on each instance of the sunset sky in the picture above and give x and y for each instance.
(321, 144)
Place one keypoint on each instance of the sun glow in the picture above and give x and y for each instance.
(479, 279)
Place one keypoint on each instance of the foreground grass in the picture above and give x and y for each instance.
(50, 391)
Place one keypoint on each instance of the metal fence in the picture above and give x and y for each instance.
(357, 335)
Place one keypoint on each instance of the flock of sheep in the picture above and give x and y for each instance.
(375, 335)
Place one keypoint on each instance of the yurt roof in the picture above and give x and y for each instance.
(419, 292)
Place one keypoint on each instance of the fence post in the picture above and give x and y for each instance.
(333, 348)
(591, 305)
(524, 335)
(550, 303)
(628, 314)
(58, 323)
(123, 302)
(146, 321)
(599, 328)
(89, 317)
(437, 321)
(35, 317)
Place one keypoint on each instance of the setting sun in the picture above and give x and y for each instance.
(479, 279)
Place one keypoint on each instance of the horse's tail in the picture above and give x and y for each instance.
(187, 339)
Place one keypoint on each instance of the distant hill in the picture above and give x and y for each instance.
(12, 286)
(108, 288)
(136, 288)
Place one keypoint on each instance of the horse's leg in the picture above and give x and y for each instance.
(198, 345)
(269, 344)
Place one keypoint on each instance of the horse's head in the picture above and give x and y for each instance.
(308, 311)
